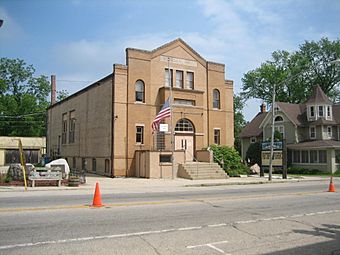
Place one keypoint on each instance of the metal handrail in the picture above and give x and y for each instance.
(195, 159)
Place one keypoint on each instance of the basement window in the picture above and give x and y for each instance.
(165, 158)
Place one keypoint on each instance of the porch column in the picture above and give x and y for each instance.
(331, 160)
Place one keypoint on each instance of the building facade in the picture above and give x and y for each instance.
(101, 127)
(310, 131)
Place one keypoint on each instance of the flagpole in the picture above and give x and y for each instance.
(171, 122)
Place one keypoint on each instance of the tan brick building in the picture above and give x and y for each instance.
(101, 127)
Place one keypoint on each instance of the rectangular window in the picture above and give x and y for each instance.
(281, 130)
(304, 156)
(312, 114)
(107, 166)
(72, 127)
(313, 156)
(168, 77)
(190, 80)
(83, 164)
(320, 110)
(165, 158)
(217, 138)
(179, 79)
(322, 156)
(140, 134)
(184, 102)
(312, 133)
(329, 132)
(74, 163)
(337, 156)
(253, 140)
(328, 111)
(64, 129)
(94, 165)
(296, 156)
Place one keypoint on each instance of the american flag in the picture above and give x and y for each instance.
(164, 113)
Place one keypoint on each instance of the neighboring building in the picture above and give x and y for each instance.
(311, 132)
(34, 148)
(104, 126)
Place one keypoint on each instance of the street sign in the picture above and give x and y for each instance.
(276, 146)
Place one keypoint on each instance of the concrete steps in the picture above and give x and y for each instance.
(201, 171)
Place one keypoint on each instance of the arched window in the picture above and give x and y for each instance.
(216, 99)
(139, 90)
(278, 119)
(184, 125)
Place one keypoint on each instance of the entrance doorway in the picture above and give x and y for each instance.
(184, 138)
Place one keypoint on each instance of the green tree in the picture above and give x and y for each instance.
(23, 99)
(295, 74)
(62, 94)
(239, 121)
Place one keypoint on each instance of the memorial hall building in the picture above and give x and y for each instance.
(105, 128)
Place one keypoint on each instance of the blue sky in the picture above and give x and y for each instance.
(80, 40)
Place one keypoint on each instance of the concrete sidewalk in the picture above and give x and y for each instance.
(140, 185)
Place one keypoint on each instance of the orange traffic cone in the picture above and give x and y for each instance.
(331, 185)
(97, 200)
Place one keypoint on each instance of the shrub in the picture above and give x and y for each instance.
(254, 154)
(299, 170)
(232, 162)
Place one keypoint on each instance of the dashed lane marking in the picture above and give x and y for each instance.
(211, 245)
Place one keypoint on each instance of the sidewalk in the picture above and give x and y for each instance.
(140, 185)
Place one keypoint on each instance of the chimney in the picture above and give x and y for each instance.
(53, 89)
(263, 108)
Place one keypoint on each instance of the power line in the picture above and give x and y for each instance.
(22, 115)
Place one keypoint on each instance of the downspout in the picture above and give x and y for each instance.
(208, 104)
(113, 123)
(126, 117)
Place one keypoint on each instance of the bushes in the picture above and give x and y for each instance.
(232, 162)
(299, 170)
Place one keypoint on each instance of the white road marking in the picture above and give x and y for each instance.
(190, 228)
(217, 225)
(211, 245)
(4, 247)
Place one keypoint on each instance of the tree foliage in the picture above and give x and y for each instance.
(232, 162)
(23, 99)
(296, 74)
(253, 154)
(239, 121)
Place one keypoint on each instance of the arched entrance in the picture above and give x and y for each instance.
(184, 138)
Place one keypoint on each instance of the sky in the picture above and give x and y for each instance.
(80, 40)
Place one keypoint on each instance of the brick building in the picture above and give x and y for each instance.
(103, 127)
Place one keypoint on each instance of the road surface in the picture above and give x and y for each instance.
(283, 218)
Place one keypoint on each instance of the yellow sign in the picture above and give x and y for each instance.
(277, 158)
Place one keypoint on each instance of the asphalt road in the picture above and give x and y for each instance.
(289, 218)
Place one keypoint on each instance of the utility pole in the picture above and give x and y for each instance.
(272, 138)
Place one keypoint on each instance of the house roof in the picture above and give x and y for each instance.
(315, 144)
(252, 129)
(295, 112)
(318, 97)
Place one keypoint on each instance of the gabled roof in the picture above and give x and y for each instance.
(173, 44)
(318, 97)
(296, 113)
(252, 129)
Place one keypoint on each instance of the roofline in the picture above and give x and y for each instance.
(97, 83)
(270, 113)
